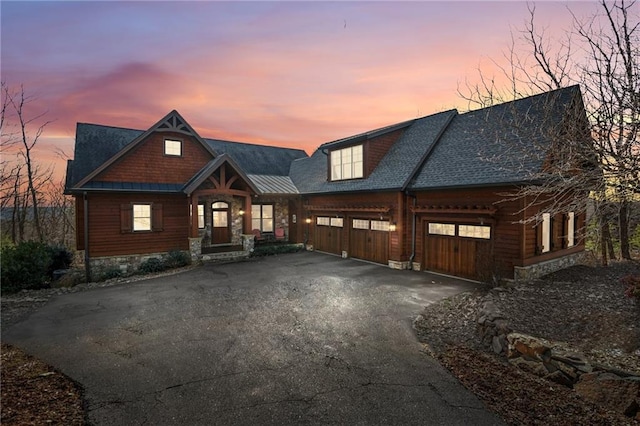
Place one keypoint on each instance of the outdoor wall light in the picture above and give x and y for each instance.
(392, 227)
(308, 220)
(241, 212)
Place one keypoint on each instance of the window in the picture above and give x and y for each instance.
(337, 222)
(220, 214)
(474, 231)
(442, 229)
(571, 229)
(546, 232)
(360, 224)
(379, 225)
(347, 163)
(200, 216)
(173, 147)
(323, 221)
(262, 217)
(141, 217)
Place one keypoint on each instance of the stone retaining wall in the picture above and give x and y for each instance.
(526, 273)
(608, 387)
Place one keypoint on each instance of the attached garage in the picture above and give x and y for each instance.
(369, 240)
(328, 234)
(458, 249)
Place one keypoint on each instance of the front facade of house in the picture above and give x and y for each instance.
(414, 195)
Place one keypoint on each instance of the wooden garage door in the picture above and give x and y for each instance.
(369, 240)
(458, 249)
(328, 234)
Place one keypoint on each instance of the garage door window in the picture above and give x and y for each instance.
(360, 224)
(442, 229)
(379, 225)
(474, 231)
(323, 221)
(337, 222)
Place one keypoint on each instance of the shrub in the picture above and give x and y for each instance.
(110, 273)
(152, 265)
(632, 284)
(267, 250)
(61, 258)
(25, 266)
(177, 259)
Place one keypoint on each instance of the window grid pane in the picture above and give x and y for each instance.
(360, 224)
(571, 223)
(347, 163)
(323, 221)
(172, 147)
(474, 231)
(142, 217)
(337, 222)
(200, 215)
(546, 232)
(442, 229)
(380, 225)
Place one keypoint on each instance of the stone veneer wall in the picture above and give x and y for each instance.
(281, 212)
(524, 273)
(125, 264)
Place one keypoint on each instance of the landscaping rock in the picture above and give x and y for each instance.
(621, 394)
(524, 345)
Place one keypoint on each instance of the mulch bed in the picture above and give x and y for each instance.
(34, 393)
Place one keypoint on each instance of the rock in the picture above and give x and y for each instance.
(499, 344)
(533, 367)
(560, 378)
(522, 344)
(611, 391)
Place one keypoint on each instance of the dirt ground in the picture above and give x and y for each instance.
(582, 308)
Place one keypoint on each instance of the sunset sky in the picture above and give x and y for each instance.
(293, 74)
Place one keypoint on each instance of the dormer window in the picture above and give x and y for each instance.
(173, 147)
(347, 163)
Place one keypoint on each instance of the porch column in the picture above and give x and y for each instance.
(194, 216)
(246, 224)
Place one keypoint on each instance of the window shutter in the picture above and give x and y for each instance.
(156, 217)
(552, 239)
(565, 231)
(538, 229)
(126, 218)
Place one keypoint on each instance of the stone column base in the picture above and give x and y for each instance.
(195, 248)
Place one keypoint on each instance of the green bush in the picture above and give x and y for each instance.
(26, 266)
(61, 258)
(110, 273)
(271, 249)
(152, 265)
(177, 259)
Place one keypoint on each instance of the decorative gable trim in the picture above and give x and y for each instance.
(172, 122)
(205, 173)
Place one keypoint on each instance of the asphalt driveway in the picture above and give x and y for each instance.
(305, 338)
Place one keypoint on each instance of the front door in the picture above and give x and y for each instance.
(221, 223)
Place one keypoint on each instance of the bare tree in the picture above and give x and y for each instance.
(601, 165)
(14, 109)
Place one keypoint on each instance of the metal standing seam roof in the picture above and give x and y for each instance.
(269, 184)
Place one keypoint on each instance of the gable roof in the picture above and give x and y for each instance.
(502, 144)
(211, 167)
(171, 122)
(392, 173)
(98, 146)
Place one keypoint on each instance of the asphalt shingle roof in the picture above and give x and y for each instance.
(96, 144)
(502, 144)
(392, 173)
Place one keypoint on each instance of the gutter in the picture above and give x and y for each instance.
(413, 232)
(87, 264)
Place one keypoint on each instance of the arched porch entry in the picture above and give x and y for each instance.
(220, 205)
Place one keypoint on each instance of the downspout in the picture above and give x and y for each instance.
(413, 232)
(87, 264)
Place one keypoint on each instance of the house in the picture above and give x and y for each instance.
(430, 193)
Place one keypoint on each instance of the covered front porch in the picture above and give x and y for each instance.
(229, 214)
